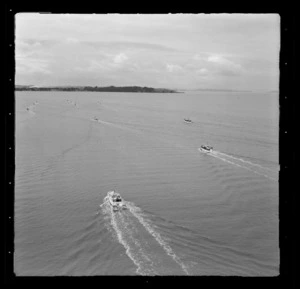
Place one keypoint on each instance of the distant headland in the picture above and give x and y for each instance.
(95, 88)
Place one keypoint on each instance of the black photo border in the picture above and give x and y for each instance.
(287, 157)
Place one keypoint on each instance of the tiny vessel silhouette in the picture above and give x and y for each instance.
(116, 201)
(206, 149)
(187, 120)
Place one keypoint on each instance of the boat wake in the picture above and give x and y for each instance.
(247, 165)
(148, 250)
(137, 213)
(115, 125)
(246, 162)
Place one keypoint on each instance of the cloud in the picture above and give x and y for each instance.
(32, 65)
(202, 71)
(72, 40)
(199, 57)
(173, 68)
(221, 61)
(120, 58)
(129, 45)
(224, 66)
(93, 66)
(27, 48)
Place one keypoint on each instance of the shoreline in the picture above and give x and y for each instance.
(98, 89)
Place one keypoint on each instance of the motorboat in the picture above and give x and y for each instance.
(187, 120)
(116, 201)
(206, 149)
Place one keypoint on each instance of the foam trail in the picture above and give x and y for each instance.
(256, 172)
(115, 125)
(123, 224)
(134, 249)
(134, 210)
(244, 161)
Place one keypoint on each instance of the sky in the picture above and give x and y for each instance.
(177, 51)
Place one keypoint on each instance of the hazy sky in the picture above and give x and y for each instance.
(231, 51)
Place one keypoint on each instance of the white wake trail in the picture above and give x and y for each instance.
(134, 210)
(128, 234)
(134, 249)
(244, 161)
(235, 164)
(122, 127)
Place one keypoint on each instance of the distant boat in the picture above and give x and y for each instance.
(187, 120)
(115, 201)
(206, 149)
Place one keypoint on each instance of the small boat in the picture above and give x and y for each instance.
(206, 149)
(187, 120)
(115, 201)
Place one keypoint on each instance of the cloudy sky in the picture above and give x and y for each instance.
(184, 51)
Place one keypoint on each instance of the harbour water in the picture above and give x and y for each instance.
(189, 213)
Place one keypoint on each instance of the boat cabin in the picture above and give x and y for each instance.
(116, 198)
(206, 147)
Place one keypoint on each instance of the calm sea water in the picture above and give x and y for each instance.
(189, 213)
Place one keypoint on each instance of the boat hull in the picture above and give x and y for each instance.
(205, 150)
(115, 205)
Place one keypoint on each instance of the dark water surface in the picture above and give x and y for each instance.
(189, 213)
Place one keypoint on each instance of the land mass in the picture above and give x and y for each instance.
(95, 88)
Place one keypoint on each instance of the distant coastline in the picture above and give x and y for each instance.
(95, 88)
(229, 90)
(218, 90)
